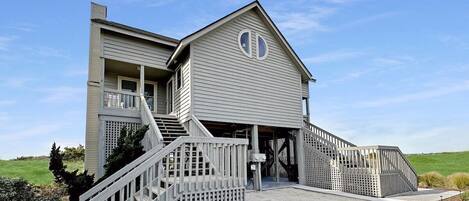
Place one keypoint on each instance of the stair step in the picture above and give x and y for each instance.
(154, 189)
(143, 198)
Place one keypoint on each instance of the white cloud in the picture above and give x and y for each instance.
(419, 95)
(333, 56)
(28, 132)
(309, 20)
(62, 93)
(455, 41)
(393, 61)
(366, 20)
(14, 82)
(5, 42)
(7, 102)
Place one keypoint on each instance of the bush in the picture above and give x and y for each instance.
(20, 190)
(459, 180)
(465, 196)
(128, 149)
(432, 179)
(74, 153)
(75, 183)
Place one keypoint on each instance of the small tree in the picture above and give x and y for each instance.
(128, 148)
(76, 183)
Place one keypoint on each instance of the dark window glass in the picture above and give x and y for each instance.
(244, 42)
(262, 51)
(130, 86)
(178, 79)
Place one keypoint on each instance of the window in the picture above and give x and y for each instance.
(244, 41)
(178, 78)
(262, 49)
(129, 86)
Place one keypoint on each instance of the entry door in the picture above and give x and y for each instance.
(170, 96)
(149, 93)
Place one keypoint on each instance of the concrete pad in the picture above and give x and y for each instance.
(302, 193)
(423, 194)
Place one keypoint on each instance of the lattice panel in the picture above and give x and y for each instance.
(232, 194)
(112, 131)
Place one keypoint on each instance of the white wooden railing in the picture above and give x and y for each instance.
(103, 185)
(153, 135)
(179, 170)
(339, 142)
(198, 129)
(367, 170)
(120, 99)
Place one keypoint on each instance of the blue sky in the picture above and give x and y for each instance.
(389, 72)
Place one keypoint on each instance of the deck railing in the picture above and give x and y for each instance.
(153, 135)
(339, 142)
(179, 170)
(120, 99)
(198, 129)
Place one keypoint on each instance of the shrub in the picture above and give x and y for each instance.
(128, 148)
(20, 190)
(459, 180)
(74, 153)
(75, 183)
(432, 179)
(465, 196)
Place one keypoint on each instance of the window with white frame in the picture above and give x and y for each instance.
(262, 49)
(244, 41)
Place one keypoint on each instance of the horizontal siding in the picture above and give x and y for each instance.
(182, 97)
(110, 80)
(305, 89)
(230, 87)
(134, 51)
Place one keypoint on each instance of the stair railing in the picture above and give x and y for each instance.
(153, 136)
(394, 161)
(198, 129)
(339, 142)
(101, 186)
(183, 174)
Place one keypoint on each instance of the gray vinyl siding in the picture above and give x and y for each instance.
(305, 89)
(230, 87)
(135, 51)
(110, 80)
(182, 96)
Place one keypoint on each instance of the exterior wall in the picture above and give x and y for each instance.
(231, 87)
(182, 96)
(135, 51)
(93, 99)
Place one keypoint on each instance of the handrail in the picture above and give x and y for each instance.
(154, 134)
(232, 149)
(339, 142)
(201, 127)
(106, 182)
(120, 92)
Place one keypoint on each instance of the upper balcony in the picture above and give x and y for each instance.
(123, 85)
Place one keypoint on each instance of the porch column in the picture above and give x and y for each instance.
(300, 156)
(255, 150)
(276, 162)
(142, 79)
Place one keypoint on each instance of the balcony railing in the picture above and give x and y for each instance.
(120, 100)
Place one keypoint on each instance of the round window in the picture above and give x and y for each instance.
(262, 49)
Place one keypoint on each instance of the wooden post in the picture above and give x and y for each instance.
(255, 150)
(276, 162)
(142, 80)
(300, 156)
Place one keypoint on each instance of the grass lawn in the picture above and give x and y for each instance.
(36, 171)
(444, 163)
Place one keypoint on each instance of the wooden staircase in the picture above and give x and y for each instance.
(170, 128)
(337, 164)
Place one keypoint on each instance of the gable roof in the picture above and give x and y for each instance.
(255, 4)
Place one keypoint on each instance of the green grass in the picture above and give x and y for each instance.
(35, 171)
(445, 163)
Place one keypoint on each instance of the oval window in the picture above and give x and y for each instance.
(244, 41)
(262, 49)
